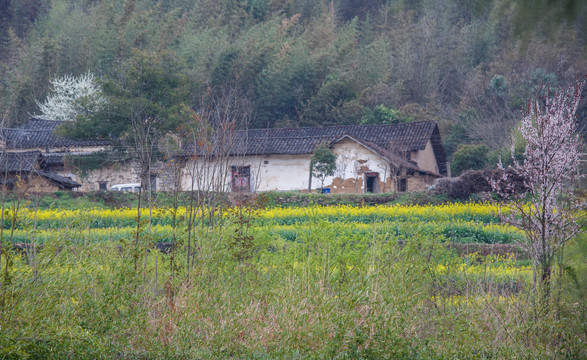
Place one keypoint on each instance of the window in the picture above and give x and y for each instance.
(241, 178)
(102, 185)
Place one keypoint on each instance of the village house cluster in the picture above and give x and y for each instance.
(370, 159)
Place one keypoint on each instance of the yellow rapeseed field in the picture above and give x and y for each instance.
(432, 212)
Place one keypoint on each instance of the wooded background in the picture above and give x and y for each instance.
(469, 65)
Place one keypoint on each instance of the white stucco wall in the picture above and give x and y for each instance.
(87, 149)
(281, 172)
(291, 172)
(272, 172)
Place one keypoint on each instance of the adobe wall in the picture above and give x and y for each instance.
(40, 184)
(357, 185)
(353, 161)
(420, 182)
(31, 183)
(425, 158)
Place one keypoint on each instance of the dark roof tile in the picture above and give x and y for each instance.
(394, 138)
(62, 181)
(38, 133)
(31, 162)
(20, 161)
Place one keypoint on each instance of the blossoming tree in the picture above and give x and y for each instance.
(71, 96)
(550, 169)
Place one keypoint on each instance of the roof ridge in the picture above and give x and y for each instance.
(342, 126)
(28, 129)
(39, 119)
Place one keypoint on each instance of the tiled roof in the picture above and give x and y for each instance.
(401, 137)
(38, 133)
(20, 161)
(41, 124)
(56, 158)
(32, 161)
(394, 138)
(59, 180)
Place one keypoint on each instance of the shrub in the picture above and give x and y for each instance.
(462, 187)
(469, 157)
(474, 182)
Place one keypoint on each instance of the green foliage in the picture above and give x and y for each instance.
(300, 62)
(323, 163)
(455, 136)
(469, 157)
(504, 154)
(258, 9)
(498, 86)
(543, 80)
(285, 86)
(146, 96)
(87, 163)
(328, 105)
(223, 69)
(421, 198)
(547, 16)
(381, 114)
(325, 289)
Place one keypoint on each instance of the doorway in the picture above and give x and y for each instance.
(372, 182)
(403, 185)
(153, 182)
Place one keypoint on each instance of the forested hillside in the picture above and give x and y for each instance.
(469, 65)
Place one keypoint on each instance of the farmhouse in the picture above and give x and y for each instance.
(91, 164)
(370, 158)
(57, 154)
(37, 136)
(27, 171)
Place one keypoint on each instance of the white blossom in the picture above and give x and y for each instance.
(71, 96)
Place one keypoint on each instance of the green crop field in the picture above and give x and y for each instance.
(337, 282)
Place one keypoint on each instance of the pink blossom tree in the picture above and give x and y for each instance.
(547, 209)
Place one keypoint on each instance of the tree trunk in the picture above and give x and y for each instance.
(310, 178)
(545, 277)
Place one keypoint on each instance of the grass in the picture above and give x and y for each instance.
(334, 290)
(314, 301)
(69, 200)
